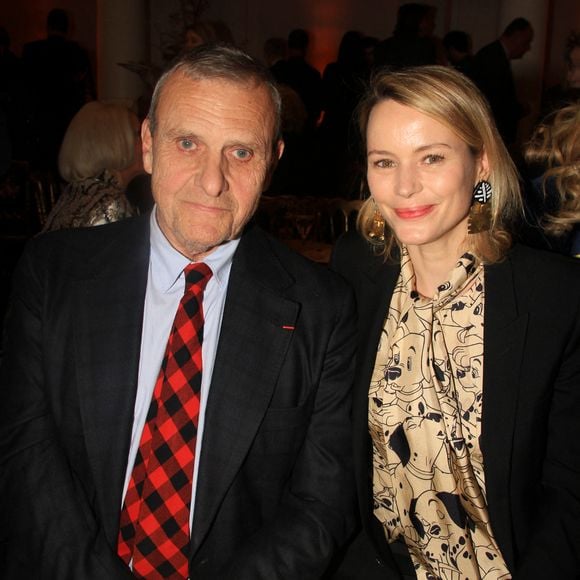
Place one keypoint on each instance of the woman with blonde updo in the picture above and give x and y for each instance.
(99, 156)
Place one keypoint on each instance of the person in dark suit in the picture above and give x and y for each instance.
(271, 494)
(458, 50)
(466, 402)
(301, 76)
(493, 74)
(57, 82)
(412, 42)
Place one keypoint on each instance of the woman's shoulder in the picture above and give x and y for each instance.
(541, 268)
(539, 258)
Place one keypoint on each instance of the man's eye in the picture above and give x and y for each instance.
(242, 154)
(186, 144)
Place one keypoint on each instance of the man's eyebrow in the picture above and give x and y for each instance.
(174, 133)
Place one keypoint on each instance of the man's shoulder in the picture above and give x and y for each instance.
(492, 50)
(269, 256)
(33, 48)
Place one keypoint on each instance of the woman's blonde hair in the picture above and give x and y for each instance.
(100, 136)
(454, 101)
(555, 145)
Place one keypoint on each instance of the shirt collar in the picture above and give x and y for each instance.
(167, 263)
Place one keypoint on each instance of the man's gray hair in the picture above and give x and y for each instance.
(220, 61)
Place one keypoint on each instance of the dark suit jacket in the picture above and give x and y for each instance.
(493, 75)
(275, 494)
(531, 402)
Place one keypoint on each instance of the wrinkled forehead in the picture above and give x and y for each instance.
(182, 86)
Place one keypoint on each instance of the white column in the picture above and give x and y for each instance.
(122, 36)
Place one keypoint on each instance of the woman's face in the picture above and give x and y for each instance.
(421, 176)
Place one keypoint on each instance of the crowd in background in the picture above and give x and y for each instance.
(459, 344)
(42, 91)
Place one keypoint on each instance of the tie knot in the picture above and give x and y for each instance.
(197, 274)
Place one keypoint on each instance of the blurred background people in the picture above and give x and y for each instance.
(495, 78)
(568, 91)
(197, 34)
(300, 75)
(275, 49)
(573, 60)
(100, 155)
(459, 51)
(58, 82)
(11, 96)
(553, 185)
(412, 43)
(343, 82)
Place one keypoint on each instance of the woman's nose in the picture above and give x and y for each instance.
(408, 182)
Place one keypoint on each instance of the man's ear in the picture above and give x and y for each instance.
(278, 150)
(147, 146)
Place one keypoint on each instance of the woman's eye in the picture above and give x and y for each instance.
(242, 154)
(186, 144)
(433, 158)
(383, 163)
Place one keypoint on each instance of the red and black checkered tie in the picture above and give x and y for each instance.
(154, 526)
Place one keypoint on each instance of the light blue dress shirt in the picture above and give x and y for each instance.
(165, 288)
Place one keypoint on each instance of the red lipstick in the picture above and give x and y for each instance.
(408, 213)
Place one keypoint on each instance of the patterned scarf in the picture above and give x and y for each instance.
(425, 421)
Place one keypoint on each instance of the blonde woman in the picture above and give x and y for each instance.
(99, 155)
(553, 196)
(467, 399)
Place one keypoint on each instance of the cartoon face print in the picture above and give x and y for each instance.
(407, 375)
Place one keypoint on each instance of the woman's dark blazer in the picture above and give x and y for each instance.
(530, 435)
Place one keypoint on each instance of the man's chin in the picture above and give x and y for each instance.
(197, 249)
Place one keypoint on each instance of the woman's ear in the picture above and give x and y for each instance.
(483, 166)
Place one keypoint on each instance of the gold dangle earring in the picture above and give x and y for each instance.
(479, 219)
(377, 229)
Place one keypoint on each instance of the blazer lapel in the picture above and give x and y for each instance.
(505, 329)
(252, 348)
(373, 301)
(108, 342)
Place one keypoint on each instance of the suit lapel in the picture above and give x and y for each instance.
(252, 348)
(373, 301)
(505, 329)
(108, 342)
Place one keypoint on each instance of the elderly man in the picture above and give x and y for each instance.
(175, 388)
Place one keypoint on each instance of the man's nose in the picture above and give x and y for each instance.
(408, 182)
(212, 175)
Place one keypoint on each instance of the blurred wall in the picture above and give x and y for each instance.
(253, 21)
